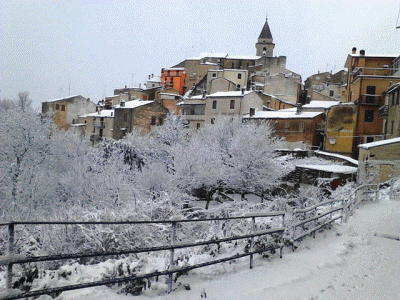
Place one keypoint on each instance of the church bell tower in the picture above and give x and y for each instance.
(265, 45)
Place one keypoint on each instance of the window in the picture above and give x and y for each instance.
(57, 106)
(212, 120)
(214, 75)
(392, 130)
(370, 94)
(238, 87)
(369, 116)
(397, 97)
(232, 106)
(153, 120)
(171, 81)
(301, 126)
(233, 66)
(214, 104)
(331, 93)
(160, 121)
(239, 76)
(168, 73)
(177, 73)
(198, 125)
(370, 139)
(392, 98)
(63, 107)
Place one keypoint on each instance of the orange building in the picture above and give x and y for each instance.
(174, 78)
(368, 77)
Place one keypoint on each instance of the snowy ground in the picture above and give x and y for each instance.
(347, 262)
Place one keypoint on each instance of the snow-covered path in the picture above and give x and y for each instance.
(347, 262)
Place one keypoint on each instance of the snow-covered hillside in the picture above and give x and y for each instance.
(348, 262)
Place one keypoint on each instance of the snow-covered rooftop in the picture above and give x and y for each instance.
(64, 98)
(316, 104)
(134, 104)
(154, 79)
(343, 157)
(229, 94)
(379, 143)
(337, 169)
(284, 114)
(105, 113)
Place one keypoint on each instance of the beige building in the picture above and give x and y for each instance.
(236, 103)
(379, 161)
(226, 80)
(97, 126)
(65, 111)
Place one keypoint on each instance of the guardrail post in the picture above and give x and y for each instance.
(391, 189)
(294, 229)
(10, 254)
(253, 229)
(315, 221)
(171, 257)
(283, 226)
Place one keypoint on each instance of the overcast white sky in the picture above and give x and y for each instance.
(96, 46)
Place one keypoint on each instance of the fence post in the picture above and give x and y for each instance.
(171, 257)
(253, 228)
(282, 242)
(294, 229)
(10, 254)
(315, 221)
(391, 188)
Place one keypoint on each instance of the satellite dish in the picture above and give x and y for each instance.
(332, 141)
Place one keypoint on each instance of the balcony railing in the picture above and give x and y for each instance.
(372, 72)
(368, 99)
(384, 111)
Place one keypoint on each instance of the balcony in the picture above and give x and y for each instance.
(379, 72)
(384, 111)
(368, 99)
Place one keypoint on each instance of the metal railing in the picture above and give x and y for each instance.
(12, 259)
(311, 215)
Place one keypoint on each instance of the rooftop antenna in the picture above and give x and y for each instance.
(69, 88)
(397, 23)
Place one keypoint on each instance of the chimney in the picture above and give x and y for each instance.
(252, 111)
(362, 52)
(149, 76)
(204, 94)
(298, 109)
(122, 103)
(354, 50)
(243, 91)
(125, 86)
(152, 75)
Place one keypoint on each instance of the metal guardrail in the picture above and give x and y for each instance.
(310, 215)
(16, 259)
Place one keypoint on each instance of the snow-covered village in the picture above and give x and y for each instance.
(221, 174)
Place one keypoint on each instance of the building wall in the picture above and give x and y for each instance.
(393, 118)
(286, 88)
(195, 71)
(139, 118)
(215, 85)
(242, 105)
(66, 111)
(174, 78)
(340, 128)
(220, 85)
